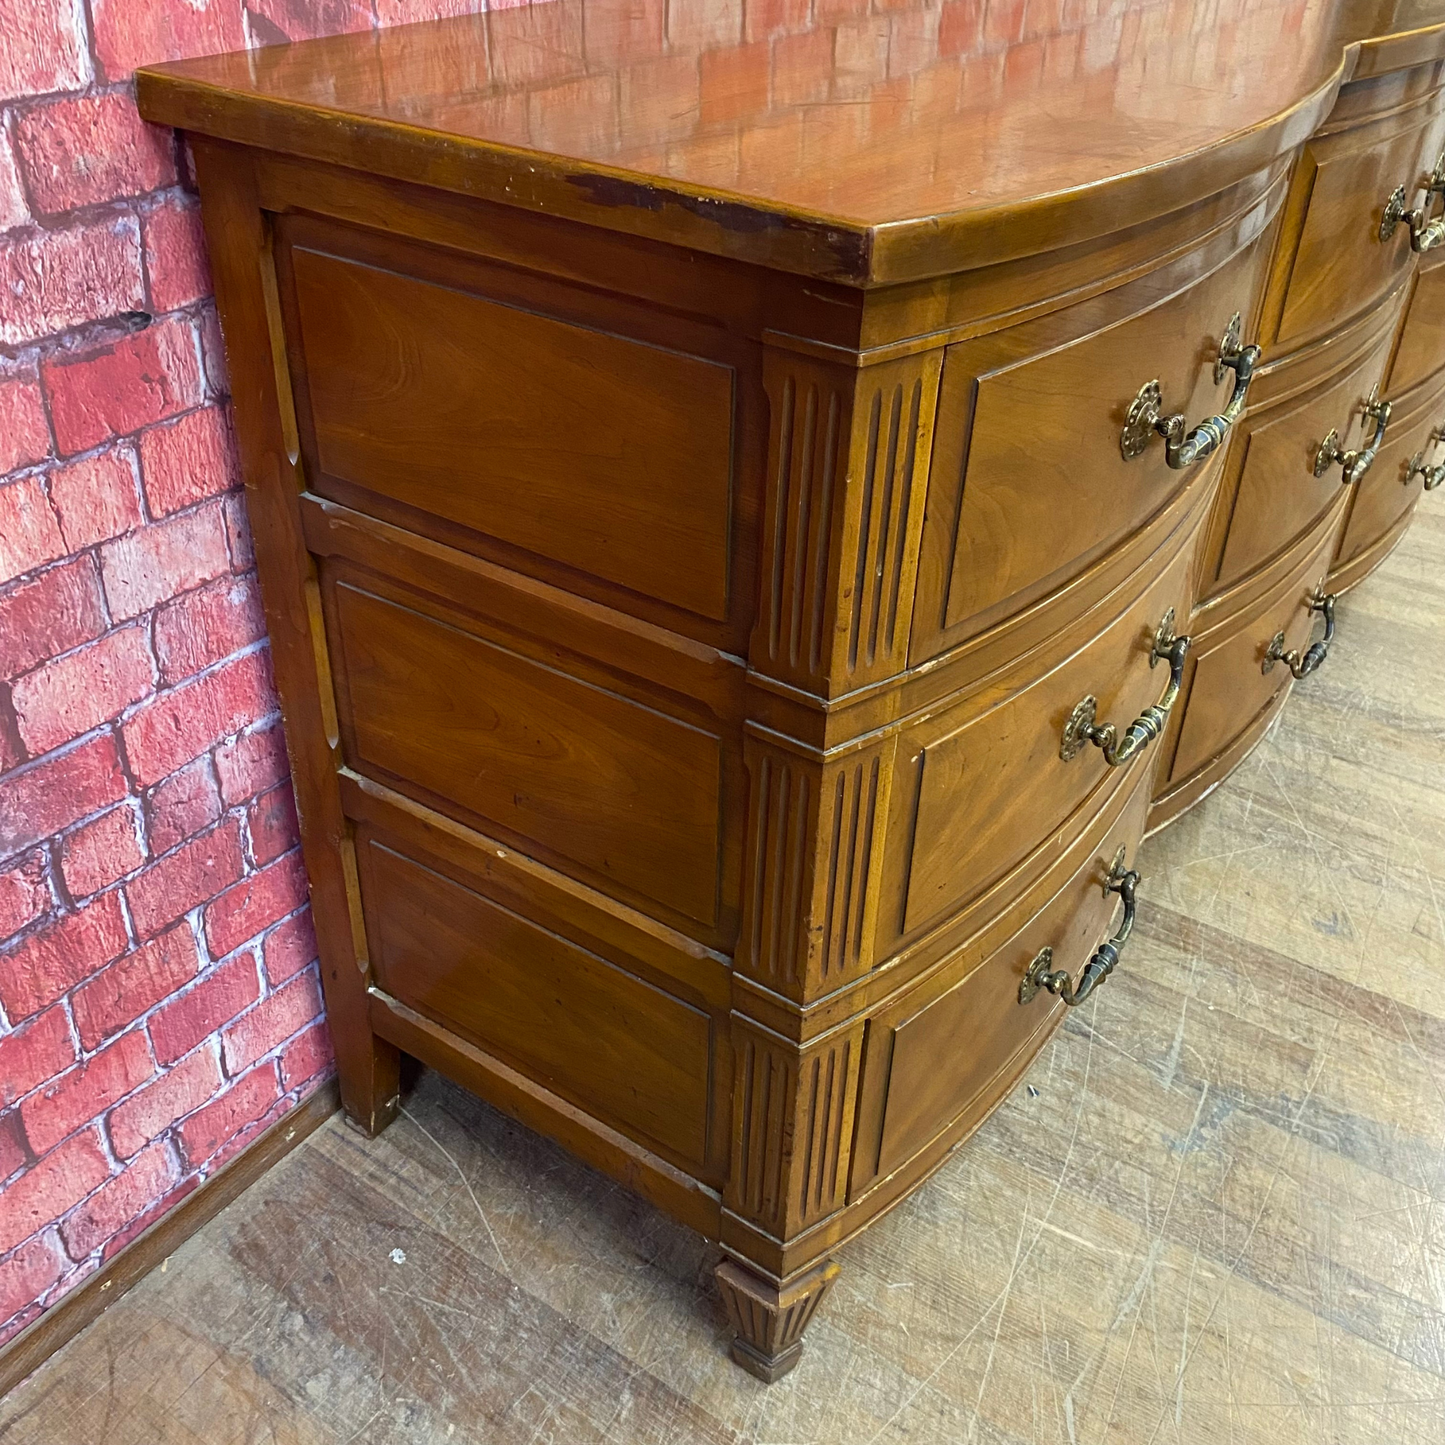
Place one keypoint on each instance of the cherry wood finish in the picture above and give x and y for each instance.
(687, 480)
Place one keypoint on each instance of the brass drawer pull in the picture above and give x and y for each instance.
(1146, 417)
(1355, 464)
(1302, 664)
(1425, 234)
(1150, 723)
(1416, 467)
(1042, 975)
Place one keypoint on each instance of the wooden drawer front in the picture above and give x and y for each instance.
(1421, 352)
(940, 1045)
(602, 452)
(607, 787)
(1028, 484)
(983, 783)
(568, 1018)
(1387, 492)
(1229, 688)
(1342, 267)
(1279, 497)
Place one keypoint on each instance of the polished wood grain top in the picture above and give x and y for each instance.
(864, 145)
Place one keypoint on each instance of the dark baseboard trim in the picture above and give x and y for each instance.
(88, 1300)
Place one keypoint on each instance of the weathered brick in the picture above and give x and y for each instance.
(28, 1274)
(126, 383)
(13, 1153)
(698, 24)
(238, 535)
(271, 1022)
(158, 1210)
(119, 995)
(288, 948)
(29, 534)
(42, 47)
(158, 561)
(178, 1027)
(406, 12)
(175, 253)
(24, 432)
(306, 1057)
(119, 1201)
(252, 762)
(49, 963)
(182, 723)
(248, 1100)
(765, 18)
(183, 805)
(274, 22)
(14, 209)
(213, 352)
(96, 498)
(188, 459)
(59, 610)
(11, 752)
(47, 796)
(83, 689)
(253, 904)
(176, 883)
(98, 853)
(86, 149)
(85, 1092)
(206, 625)
(129, 33)
(33, 1053)
(24, 893)
(179, 1091)
(51, 1187)
(271, 824)
(960, 26)
(53, 280)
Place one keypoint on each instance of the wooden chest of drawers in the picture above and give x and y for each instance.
(735, 585)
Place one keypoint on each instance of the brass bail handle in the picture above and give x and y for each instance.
(1355, 464)
(1182, 449)
(1425, 234)
(1042, 975)
(1415, 467)
(1301, 664)
(1082, 727)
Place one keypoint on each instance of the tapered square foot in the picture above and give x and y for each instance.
(770, 1320)
(766, 1367)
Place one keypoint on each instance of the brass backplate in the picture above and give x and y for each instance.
(1078, 728)
(1139, 424)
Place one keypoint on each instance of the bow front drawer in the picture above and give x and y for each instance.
(1385, 134)
(947, 1049)
(984, 783)
(1058, 439)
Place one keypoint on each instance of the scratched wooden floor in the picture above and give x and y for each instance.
(1215, 1216)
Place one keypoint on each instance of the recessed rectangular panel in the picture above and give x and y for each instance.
(991, 785)
(948, 1042)
(1230, 687)
(1421, 352)
(1279, 496)
(1390, 489)
(1031, 441)
(626, 792)
(574, 1022)
(1342, 264)
(604, 453)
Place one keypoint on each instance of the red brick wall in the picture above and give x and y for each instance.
(159, 1003)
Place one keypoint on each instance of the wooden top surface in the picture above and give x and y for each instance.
(863, 147)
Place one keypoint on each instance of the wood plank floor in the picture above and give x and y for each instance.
(1213, 1215)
